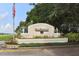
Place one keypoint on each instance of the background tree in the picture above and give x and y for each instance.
(63, 16)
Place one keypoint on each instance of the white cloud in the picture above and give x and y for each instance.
(3, 15)
(2, 27)
(7, 28)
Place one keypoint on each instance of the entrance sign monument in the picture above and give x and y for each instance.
(41, 30)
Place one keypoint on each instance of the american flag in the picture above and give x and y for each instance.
(14, 11)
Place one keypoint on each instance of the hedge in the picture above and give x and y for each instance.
(73, 37)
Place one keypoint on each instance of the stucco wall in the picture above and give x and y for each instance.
(31, 29)
(34, 30)
(54, 40)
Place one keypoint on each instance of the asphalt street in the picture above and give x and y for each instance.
(43, 52)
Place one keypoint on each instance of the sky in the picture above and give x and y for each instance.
(6, 19)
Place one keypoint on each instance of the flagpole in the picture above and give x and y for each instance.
(13, 28)
(13, 21)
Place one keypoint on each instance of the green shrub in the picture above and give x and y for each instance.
(37, 37)
(18, 35)
(45, 36)
(32, 45)
(73, 37)
(41, 36)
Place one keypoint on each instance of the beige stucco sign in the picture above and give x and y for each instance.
(40, 29)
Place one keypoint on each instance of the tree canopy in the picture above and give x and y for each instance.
(63, 16)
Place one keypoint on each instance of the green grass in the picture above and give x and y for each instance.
(5, 37)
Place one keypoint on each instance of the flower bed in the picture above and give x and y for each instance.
(11, 45)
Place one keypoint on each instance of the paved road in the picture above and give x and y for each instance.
(43, 52)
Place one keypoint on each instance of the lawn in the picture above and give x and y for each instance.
(5, 37)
